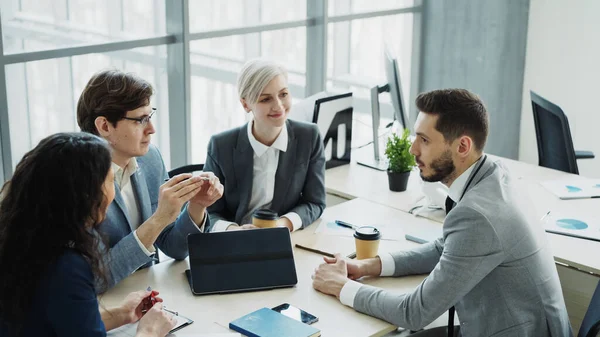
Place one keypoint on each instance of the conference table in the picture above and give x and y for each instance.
(367, 201)
(212, 313)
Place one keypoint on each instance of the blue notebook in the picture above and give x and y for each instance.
(268, 323)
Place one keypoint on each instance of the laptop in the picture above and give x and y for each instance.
(237, 261)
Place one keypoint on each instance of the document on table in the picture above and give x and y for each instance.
(573, 189)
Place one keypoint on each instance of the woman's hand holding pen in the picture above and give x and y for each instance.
(156, 322)
(136, 304)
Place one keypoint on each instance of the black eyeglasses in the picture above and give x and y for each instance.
(142, 120)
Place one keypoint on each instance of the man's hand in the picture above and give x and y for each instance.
(211, 190)
(174, 194)
(355, 268)
(330, 278)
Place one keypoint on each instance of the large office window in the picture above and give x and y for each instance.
(51, 48)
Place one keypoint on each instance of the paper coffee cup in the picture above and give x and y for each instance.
(264, 218)
(366, 239)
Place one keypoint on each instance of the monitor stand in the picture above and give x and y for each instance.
(364, 156)
(369, 155)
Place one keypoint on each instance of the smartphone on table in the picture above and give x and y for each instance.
(295, 313)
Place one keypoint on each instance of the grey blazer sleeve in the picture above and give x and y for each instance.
(173, 239)
(122, 259)
(420, 260)
(471, 251)
(217, 211)
(311, 204)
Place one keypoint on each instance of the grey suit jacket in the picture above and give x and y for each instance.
(492, 263)
(125, 255)
(299, 180)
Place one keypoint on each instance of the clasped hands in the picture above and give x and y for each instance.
(331, 276)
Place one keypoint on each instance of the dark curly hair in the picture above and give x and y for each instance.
(52, 203)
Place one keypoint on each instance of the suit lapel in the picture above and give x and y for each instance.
(285, 170)
(243, 165)
(141, 192)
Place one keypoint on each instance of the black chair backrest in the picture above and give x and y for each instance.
(186, 169)
(554, 142)
(590, 327)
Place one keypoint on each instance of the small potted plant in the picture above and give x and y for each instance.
(401, 162)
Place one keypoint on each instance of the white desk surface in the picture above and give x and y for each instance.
(357, 181)
(212, 313)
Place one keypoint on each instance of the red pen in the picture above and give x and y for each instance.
(148, 302)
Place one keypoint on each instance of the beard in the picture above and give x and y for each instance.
(443, 168)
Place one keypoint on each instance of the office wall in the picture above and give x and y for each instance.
(479, 45)
(563, 65)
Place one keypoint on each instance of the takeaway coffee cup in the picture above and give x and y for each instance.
(366, 239)
(264, 218)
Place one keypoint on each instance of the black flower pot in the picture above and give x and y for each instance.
(398, 180)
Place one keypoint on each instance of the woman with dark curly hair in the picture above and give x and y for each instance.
(49, 255)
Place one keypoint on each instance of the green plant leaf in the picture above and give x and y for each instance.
(397, 151)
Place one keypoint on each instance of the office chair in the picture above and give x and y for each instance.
(590, 327)
(186, 169)
(554, 142)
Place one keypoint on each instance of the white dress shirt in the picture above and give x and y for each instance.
(123, 180)
(388, 266)
(266, 160)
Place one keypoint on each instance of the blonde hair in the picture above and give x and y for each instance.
(254, 77)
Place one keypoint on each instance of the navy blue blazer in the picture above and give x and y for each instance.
(65, 302)
(299, 180)
(125, 255)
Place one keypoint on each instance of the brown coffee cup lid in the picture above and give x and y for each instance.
(367, 233)
(265, 214)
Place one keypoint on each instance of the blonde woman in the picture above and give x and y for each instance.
(271, 162)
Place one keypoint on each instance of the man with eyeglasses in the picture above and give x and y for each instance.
(147, 211)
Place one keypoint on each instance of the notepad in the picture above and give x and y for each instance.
(577, 225)
(574, 189)
(268, 323)
(130, 330)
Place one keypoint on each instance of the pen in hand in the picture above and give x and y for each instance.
(174, 313)
(148, 302)
(345, 224)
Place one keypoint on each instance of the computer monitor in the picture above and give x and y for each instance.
(392, 72)
(394, 87)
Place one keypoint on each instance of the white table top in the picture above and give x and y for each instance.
(212, 313)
